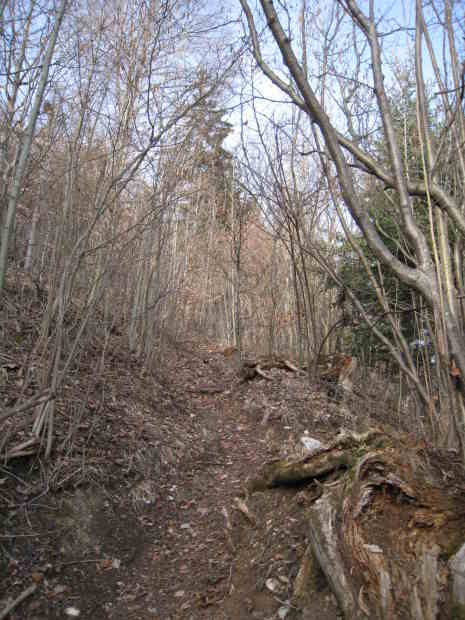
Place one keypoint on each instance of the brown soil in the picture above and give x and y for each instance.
(140, 516)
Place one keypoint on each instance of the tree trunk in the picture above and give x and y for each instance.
(25, 149)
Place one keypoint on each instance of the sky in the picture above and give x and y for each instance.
(398, 49)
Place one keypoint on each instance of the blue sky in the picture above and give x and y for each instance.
(398, 23)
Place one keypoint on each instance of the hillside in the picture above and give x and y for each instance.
(232, 309)
(138, 516)
(144, 509)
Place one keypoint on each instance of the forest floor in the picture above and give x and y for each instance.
(144, 513)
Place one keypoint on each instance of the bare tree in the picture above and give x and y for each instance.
(17, 73)
(432, 272)
(117, 117)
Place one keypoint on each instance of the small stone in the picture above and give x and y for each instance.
(310, 445)
(283, 611)
(73, 612)
(272, 584)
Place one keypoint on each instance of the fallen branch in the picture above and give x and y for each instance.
(207, 390)
(290, 366)
(263, 374)
(23, 596)
(292, 471)
(250, 369)
(39, 399)
(26, 448)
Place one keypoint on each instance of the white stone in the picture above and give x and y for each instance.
(272, 584)
(311, 445)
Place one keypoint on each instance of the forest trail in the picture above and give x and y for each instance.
(160, 526)
(206, 559)
(188, 569)
(148, 516)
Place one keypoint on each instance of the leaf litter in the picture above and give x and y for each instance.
(154, 520)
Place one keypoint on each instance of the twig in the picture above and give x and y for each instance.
(33, 535)
(207, 390)
(10, 473)
(36, 400)
(290, 366)
(242, 507)
(91, 561)
(24, 595)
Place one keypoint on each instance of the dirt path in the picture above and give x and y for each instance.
(188, 569)
(205, 558)
(154, 528)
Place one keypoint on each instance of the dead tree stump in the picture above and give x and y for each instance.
(384, 525)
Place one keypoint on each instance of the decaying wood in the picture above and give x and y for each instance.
(228, 351)
(336, 371)
(293, 471)
(338, 375)
(252, 368)
(287, 471)
(326, 548)
(383, 530)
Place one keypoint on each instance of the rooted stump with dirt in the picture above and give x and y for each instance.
(383, 526)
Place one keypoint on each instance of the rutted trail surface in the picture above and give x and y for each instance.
(214, 549)
(187, 569)
(143, 511)
(158, 523)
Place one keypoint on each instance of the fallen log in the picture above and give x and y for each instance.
(252, 368)
(384, 531)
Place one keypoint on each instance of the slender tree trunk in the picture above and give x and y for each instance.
(26, 146)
